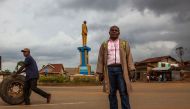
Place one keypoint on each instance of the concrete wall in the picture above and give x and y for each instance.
(176, 75)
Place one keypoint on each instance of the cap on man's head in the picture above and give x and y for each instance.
(25, 50)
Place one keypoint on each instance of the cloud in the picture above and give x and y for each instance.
(99, 5)
(153, 49)
(178, 8)
(52, 28)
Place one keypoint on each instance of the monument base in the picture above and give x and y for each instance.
(85, 70)
(84, 67)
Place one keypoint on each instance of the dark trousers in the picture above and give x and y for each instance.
(117, 82)
(31, 84)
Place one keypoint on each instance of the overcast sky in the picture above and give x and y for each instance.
(52, 28)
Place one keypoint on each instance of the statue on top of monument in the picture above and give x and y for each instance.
(84, 33)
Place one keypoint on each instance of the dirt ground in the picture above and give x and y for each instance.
(144, 96)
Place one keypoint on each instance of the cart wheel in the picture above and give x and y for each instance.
(12, 90)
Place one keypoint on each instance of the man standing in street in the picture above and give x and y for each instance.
(84, 33)
(115, 63)
(32, 75)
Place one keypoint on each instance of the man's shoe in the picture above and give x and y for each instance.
(49, 98)
(27, 103)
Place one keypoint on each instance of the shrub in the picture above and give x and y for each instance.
(77, 80)
(54, 79)
(84, 79)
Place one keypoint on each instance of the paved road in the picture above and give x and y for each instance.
(145, 96)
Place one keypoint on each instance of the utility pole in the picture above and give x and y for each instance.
(180, 53)
(0, 64)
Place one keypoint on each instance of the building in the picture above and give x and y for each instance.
(53, 69)
(186, 69)
(72, 71)
(145, 67)
(187, 64)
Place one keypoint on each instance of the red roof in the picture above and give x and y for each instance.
(156, 59)
(56, 67)
(187, 63)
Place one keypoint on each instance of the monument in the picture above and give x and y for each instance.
(84, 67)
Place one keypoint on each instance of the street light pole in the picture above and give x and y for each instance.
(180, 53)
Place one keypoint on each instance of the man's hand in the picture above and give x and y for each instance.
(132, 75)
(14, 75)
(101, 76)
(132, 72)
